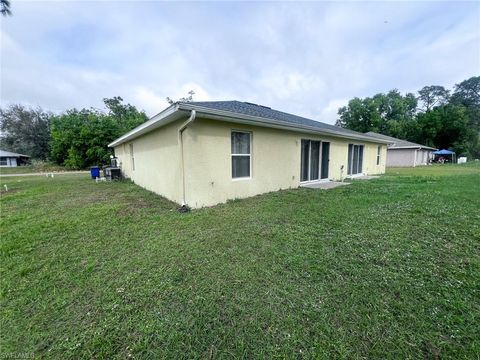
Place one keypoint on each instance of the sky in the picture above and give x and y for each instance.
(306, 58)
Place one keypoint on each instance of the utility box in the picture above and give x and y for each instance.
(112, 173)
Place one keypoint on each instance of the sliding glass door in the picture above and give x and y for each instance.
(355, 159)
(325, 160)
(305, 161)
(311, 166)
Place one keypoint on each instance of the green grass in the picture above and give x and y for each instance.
(437, 170)
(385, 269)
(37, 168)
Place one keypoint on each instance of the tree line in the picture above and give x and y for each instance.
(435, 116)
(75, 138)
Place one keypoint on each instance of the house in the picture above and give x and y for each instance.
(402, 153)
(204, 153)
(11, 159)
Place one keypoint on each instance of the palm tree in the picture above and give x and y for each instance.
(5, 7)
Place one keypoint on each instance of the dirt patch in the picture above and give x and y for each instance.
(142, 204)
(134, 207)
(9, 192)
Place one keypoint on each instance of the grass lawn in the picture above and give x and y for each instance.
(31, 169)
(387, 268)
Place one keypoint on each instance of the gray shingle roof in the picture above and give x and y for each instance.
(4, 153)
(398, 143)
(246, 108)
(249, 113)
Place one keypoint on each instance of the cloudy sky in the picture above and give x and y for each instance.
(305, 58)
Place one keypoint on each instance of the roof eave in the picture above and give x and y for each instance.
(176, 110)
(260, 121)
(411, 147)
(163, 118)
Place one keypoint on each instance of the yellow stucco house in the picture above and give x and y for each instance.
(204, 153)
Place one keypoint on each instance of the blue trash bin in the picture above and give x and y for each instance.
(95, 172)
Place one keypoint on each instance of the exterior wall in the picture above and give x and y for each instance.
(11, 162)
(157, 161)
(423, 157)
(408, 157)
(275, 161)
(401, 158)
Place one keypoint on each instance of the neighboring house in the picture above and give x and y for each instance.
(404, 153)
(204, 153)
(11, 159)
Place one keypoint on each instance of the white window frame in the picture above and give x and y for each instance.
(363, 159)
(249, 155)
(320, 155)
(379, 153)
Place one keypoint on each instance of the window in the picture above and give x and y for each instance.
(379, 151)
(241, 154)
(131, 157)
(3, 161)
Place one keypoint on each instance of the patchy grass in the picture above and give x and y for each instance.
(388, 268)
(40, 167)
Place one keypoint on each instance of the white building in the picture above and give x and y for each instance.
(402, 153)
(11, 159)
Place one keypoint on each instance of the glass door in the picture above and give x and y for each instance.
(314, 160)
(305, 161)
(355, 159)
(325, 160)
(310, 160)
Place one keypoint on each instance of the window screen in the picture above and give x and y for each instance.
(241, 154)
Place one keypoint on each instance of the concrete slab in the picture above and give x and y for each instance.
(364, 177)
(325, 185)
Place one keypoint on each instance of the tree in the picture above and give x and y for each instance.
(182, 99)
(431, 96)
(359, 115)
(80, 138)
(444, 121)
(446, 127)
(25, 130)
(126, 116)
(388, 114)
(5, 7)
(467, 93)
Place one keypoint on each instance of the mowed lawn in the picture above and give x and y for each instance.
(386, 269)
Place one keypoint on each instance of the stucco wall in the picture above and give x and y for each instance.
(157, 161)
(408, 157)
(423, 157)
(401, 158)
(275, 161)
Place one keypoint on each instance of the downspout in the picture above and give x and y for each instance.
(182, 161)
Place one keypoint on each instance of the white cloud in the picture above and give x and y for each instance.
(329, 113)
(147, 100)
(304, 58)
